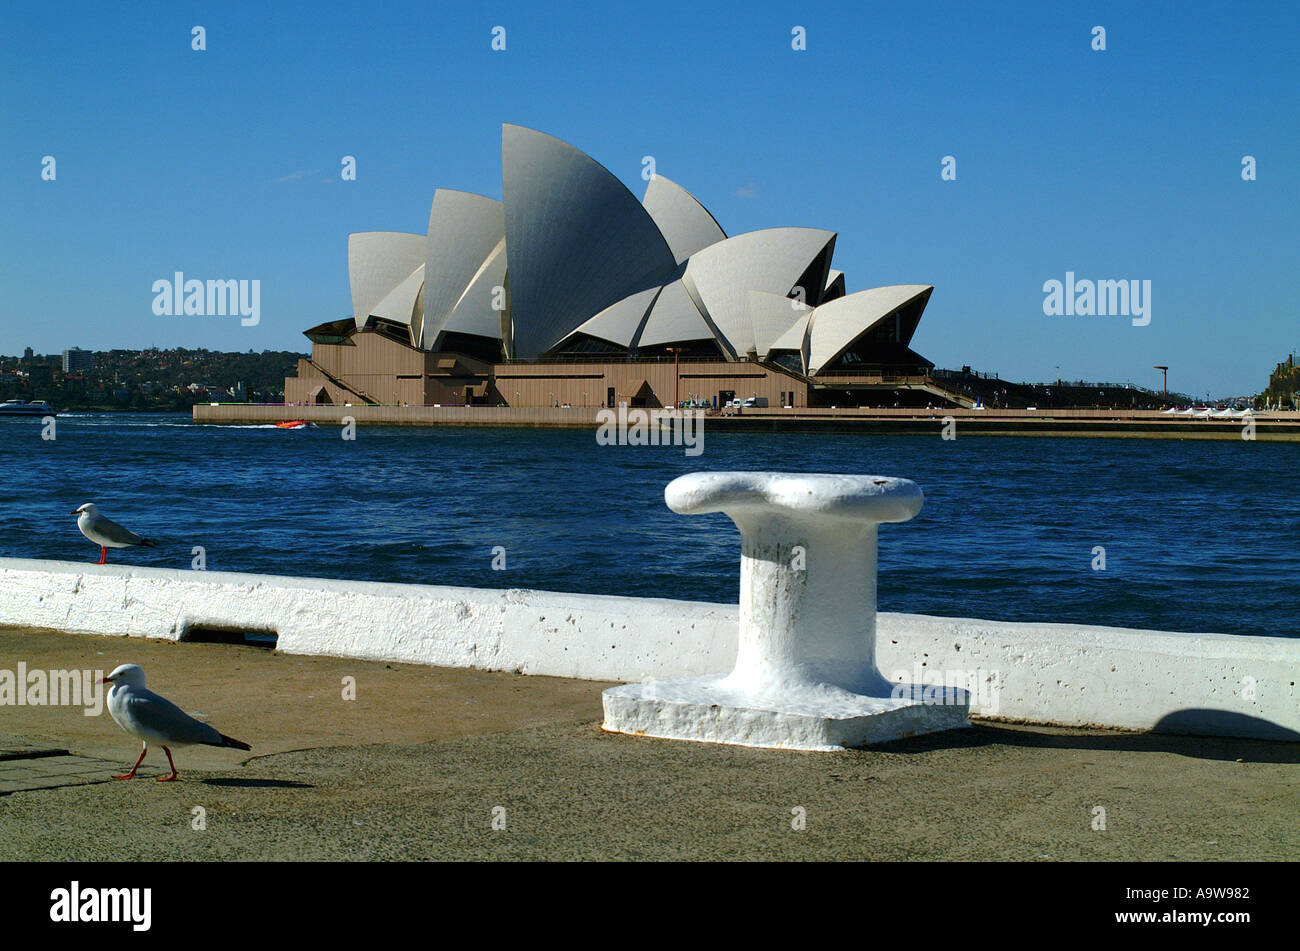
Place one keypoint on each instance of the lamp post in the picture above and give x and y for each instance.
(677, 378)
(1164, 387)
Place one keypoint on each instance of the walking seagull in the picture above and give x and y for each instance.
(145, 714)
(106, 533)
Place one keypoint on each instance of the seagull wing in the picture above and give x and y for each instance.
(115, 532)
(160, 719)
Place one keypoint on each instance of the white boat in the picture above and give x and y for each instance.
(24, 408)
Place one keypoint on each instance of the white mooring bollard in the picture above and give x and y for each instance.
(805, 675)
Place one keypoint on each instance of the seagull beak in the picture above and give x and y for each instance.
(75, 512)
(107, 680)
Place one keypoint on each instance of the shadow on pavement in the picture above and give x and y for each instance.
(1197, 747)
(259, 783)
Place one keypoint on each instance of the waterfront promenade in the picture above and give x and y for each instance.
(413, 767)
(1274, 426)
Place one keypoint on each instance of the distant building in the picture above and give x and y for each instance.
(28, 355)
(1284, 383)
(207, 389)
(77, 360)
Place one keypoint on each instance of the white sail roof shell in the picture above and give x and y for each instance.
(619, 322)
(771, 260)
(771, 316)
(796, 338)
(579, 240)
(835, 325)
(673, 318)
(834, 286)
(378, 261)
(398, 304)
(686, 224)
(464, 230)
(473, 312)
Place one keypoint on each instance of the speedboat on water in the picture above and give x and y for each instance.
(292, 424)
(24, 408)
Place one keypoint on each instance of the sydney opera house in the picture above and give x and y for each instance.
(570, 291)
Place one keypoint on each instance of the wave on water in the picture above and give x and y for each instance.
(110, 419)
(114, 423)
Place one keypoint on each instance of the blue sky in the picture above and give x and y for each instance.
(1122, 164)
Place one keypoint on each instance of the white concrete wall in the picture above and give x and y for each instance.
(1080, 675)
(1061, 674)
(537, 632)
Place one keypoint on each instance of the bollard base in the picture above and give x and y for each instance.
(802, 717)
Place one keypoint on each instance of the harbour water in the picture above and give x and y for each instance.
(1195, 536)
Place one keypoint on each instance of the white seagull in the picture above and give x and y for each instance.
(145, 714)
(106, 533)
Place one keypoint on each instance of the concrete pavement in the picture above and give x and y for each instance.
(426, 761)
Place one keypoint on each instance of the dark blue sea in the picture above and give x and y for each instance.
(1198, 536)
